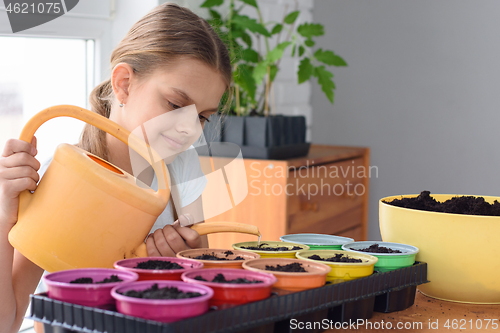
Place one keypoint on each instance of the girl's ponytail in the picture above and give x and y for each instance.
(93, 139)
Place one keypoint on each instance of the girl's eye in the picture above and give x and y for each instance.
(173, 106)
(203, 118)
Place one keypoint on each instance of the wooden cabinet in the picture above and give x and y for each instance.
(325, 192)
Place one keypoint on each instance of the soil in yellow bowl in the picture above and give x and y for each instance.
(290, 253)
(342, 271)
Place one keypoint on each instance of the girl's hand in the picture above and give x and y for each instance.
(173, 238)
(18, 172)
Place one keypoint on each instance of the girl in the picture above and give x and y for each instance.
(170, 61)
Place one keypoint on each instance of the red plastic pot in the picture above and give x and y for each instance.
(228, 294)
(158, 274)
(163, 310)
(95, 295)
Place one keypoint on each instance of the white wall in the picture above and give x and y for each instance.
(421, 90)
(127, 12)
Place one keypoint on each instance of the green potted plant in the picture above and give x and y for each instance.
(256, 49)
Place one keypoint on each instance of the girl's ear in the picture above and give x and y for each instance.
(120, 80)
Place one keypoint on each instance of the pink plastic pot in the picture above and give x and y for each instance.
(95, 295)
(163, 310)
(230, 293)
(158, 274)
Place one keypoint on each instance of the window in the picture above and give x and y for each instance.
(38, 73)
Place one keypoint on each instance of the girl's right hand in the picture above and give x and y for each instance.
(18, 172)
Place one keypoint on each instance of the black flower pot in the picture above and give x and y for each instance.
(256, 131)
(213, 128)
(233, 130)
(273, 137)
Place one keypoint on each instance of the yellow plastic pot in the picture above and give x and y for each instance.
(272, 254)
(460, 250)
(342, 271)
(87, 212)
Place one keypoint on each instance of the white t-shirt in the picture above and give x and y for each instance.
(187, 184)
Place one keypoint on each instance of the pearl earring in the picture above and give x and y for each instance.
(121, 104)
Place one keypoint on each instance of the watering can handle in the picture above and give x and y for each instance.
(103, 123)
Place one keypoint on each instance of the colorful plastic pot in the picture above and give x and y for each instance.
(460, 250)
(95, 295)
(158, 274)
(236, 264)
(163, 310)
(386, 261)
(314, 277)
(231, 293)
(342, 271)
(272, 254)
(317, 241)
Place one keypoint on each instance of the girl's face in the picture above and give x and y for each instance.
(171, 106)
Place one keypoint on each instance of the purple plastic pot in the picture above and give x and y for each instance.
(163, 310)
(232, 293)
(158, 274)
(95, 295)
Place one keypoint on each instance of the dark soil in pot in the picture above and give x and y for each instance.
(468, 205)
(89, 280)
(160, 293)
(158, 264)
(339, 257)
(295, 267)
(375, 248)
(219, 278)
(214, 257)
(263, 247)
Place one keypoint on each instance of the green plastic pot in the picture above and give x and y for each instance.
(318, 241)
(387, 261)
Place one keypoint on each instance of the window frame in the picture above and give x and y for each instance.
(78, 26)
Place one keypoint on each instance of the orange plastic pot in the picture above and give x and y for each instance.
(158, 274)
(314, 277)
(236, 264)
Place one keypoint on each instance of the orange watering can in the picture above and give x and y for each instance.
(87, 212)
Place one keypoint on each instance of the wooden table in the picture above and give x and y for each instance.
(324, 192)
(435, 313)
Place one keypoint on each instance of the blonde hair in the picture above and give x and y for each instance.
(164, 35)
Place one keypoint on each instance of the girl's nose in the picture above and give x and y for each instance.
(187, 121)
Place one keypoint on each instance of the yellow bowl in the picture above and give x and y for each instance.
(342, 271)
(272, 254)
(460, 250)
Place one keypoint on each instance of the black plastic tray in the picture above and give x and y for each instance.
(352, 300)
(267, 153)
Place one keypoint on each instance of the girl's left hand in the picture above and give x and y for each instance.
(173, 238)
